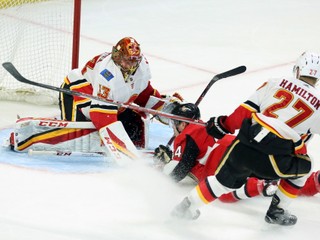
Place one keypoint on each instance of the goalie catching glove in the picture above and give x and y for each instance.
(162, 155)
(170, 102)
(164, 104)
(216, 128)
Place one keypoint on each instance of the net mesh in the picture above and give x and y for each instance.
(36, 36)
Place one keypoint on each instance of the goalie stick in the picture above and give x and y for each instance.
(58, 153)
(15, 73)
(230, 73)
(65, 153)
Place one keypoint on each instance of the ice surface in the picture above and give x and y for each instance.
(186, 42)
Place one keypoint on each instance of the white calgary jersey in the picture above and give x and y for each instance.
(108, 82)
(292, 101)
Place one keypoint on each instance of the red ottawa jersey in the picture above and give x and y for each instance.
(195, 153)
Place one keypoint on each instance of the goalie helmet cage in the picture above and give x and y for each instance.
(42, 38)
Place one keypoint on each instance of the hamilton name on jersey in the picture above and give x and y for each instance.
(302, 92)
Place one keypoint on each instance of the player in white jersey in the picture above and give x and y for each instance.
(123, 76)
(275, 123)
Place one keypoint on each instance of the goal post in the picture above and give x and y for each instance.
(41, 37)
(76, 33)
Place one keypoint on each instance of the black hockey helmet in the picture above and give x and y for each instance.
(188, 110)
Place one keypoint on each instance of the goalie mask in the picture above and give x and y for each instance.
(307, 65)
(126, 55)
(188, 110)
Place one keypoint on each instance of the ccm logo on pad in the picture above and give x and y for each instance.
(53, 124)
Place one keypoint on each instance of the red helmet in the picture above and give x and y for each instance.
(127, 55)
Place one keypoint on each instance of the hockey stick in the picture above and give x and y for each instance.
(216, 78)
(14, 72)
(58, 153)
(230, 73)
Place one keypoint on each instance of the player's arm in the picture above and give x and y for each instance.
(222, 125)
(151, 98)
(219, 126)
(143, 97)
(234, 120)
(187, 160)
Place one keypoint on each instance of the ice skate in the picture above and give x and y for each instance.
(183, 211)
(279, 216)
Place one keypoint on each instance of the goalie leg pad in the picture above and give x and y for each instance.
(43, 134)
(118, 143)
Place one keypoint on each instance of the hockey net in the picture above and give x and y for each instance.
(37, 37)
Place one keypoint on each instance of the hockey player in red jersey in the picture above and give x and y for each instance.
(123, 76)
(196, 155)
(275, 123)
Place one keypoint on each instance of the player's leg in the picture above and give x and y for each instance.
(231, 174)
(136, 125)
(70, 106)
(252, 188)
(312, 185)
(294, 172)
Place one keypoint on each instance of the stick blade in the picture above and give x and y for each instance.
(232, 72)
(8, 66)
(13, 71)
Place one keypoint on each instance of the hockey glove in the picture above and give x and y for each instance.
(170, 102)
(216, 128)
(162, 154)
(178, 96)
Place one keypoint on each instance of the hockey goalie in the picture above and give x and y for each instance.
(121, 76)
